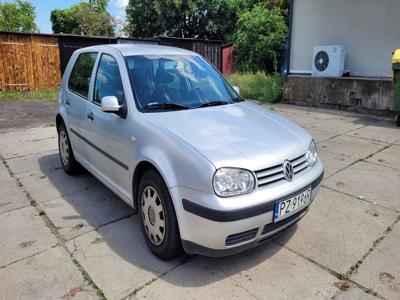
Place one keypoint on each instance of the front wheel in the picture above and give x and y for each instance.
(157, 215)
(398, 120)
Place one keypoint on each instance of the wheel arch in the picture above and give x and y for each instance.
(59, 120)
(140, 169)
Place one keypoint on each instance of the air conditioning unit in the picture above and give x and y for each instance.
(328, 61)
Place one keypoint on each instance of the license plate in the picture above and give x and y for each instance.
(289, 206)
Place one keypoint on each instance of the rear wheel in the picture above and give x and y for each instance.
(157, 216)
(398, 120)
(70, 165)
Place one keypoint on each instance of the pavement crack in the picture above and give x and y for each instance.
(235, 283)
(359, 160)
(344, 278)
(382, 165)
(184, 260)
(358, 198)
(54, 230)
(356, 266)
(325, 268)
(114, 221)
(22, 259)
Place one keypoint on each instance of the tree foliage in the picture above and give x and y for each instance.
(65, 21)
(18, 16)
(258, 27)
(260, 39)
(84, 18)
(210, 19)
(99, 5)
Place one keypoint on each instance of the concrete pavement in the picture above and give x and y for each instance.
(69, 237)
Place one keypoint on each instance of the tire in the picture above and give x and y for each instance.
(398, 120)
(156, 211)
(70, 165)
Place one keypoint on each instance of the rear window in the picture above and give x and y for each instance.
(81, 73)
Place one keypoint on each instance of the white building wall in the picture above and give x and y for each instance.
(370, 30)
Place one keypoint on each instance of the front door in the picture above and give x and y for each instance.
(110, 133)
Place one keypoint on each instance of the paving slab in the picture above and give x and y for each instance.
(319, 135)
(23, 233)
(352, 146)
(319, 114)
(389, 157)
(117, 258)
(269, 271)
(30, 147)
(336, 126)
(334, 162)
(82, 212)
(353, 293)
(380, 271)
(50, 275)
(45, 162)
(341, 151)
(43, 187)
(28, 135)
(338, 230)
(369, 181)
(197, 279)
(384, 131)
(303, 120)
(11, 197)
(4, 174)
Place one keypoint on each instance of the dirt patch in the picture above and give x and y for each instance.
(26, 114)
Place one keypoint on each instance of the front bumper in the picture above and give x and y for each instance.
(214, 226)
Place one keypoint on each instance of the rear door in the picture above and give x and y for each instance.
(76, 100)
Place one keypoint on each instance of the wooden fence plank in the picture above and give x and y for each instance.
(29, 62)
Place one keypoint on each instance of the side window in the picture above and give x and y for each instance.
(79, 79)
(108, 80)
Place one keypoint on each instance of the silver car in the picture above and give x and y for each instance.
(207, 171)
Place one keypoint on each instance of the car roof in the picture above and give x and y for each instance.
(140, 49)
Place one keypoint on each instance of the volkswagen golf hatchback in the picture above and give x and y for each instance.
(207, 171)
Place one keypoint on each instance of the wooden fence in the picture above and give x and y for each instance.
(29, 62)
(37, 61)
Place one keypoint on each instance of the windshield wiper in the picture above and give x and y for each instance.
(171, 106)
(212, 103)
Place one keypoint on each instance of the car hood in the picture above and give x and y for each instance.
(244, 134)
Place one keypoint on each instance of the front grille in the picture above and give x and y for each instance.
(274, 174)
(274, 226)
(241, 237)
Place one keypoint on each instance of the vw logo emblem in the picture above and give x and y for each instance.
(288, 170)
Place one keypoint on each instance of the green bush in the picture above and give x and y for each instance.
(258, 86)
(260, 39)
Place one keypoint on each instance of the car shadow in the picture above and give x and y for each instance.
(98, 208)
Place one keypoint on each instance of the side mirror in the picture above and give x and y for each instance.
(237, 89)
(110, 104)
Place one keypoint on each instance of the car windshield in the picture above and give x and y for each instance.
(177, 82)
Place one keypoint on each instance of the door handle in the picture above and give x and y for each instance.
(90, 116)
(67, 102)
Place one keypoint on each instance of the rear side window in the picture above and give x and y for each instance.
(79, 80)
(108, 80)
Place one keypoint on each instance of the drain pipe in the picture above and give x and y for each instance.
(289, 45)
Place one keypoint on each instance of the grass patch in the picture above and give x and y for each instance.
(258, 86)
(29, 95)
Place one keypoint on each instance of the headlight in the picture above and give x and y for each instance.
(229, 182)
(312, 155)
